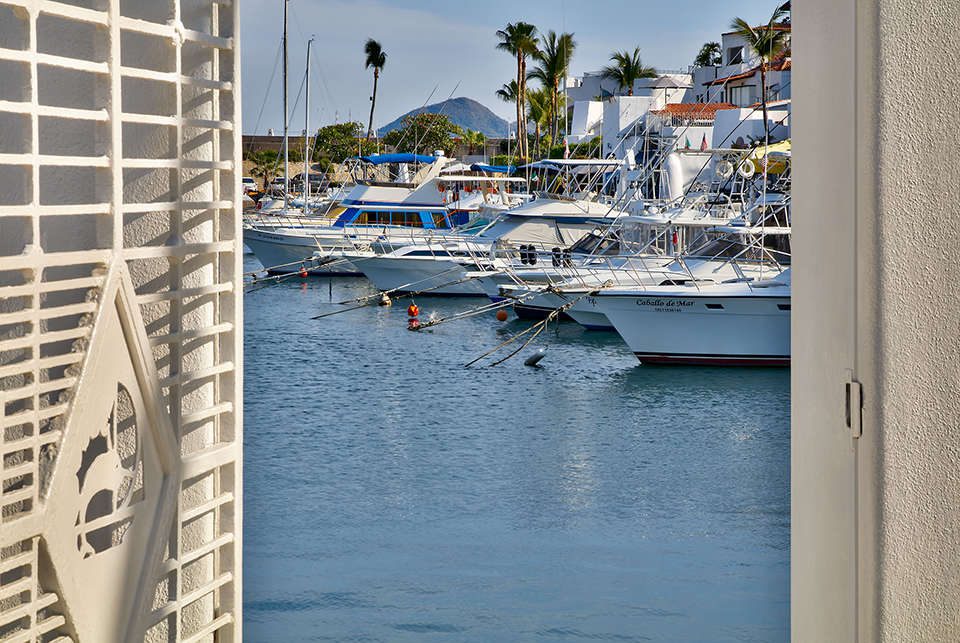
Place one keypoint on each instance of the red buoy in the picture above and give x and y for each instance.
(502, 315)
(414, 323)
(303, 273)
(413, 310)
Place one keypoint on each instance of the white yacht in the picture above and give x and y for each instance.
(742, 323)
(423, 201)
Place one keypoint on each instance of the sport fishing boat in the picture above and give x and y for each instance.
(653, 250)
(743, 323)
(421, 201)
(544, 224)
(432, 260)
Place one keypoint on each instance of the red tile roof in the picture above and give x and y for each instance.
(779, 65)
(779, 27)
(692, 110)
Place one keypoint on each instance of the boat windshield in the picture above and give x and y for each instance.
(597, 245)
(733, 247)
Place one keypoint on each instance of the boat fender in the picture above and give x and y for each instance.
(555, 257)
(532, 255)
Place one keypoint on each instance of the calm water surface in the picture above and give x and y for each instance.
(392, 495)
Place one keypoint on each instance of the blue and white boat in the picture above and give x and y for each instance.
(420, 198)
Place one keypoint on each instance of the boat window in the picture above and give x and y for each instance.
(440, 220)
(408, 219)
(377, 217)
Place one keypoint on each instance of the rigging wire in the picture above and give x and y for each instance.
(266, 95)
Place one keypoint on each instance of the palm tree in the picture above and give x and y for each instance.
(768, 42)
(473, 139)
(520, 39)
(376, 58)
(709, 55)
(538, 101)
(627, 69)
(508, 93)
(264, 164)
(553, 61)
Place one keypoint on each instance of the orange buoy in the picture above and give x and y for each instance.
(502, 315)
(413, 310)
(303, 272)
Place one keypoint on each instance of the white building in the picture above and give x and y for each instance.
(613, 113)
(737, 79)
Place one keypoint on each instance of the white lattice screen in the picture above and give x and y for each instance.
(120, 321)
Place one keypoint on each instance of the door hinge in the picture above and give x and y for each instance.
(854, 406)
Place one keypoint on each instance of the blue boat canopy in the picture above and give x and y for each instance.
(497, 169)
(380, 159)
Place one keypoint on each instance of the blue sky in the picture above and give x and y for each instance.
(432, 46)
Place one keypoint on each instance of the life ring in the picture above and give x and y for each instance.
(724, 169)
(746, 169)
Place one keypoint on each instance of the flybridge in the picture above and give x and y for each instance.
(381, 159)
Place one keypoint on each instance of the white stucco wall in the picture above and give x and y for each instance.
(119, 200)
(875, 524)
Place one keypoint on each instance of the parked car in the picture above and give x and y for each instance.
(249, 185)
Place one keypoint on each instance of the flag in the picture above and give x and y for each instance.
(566, 148)
(703, 144)
(688, 142)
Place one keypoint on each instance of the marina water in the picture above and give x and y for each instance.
(391, 494)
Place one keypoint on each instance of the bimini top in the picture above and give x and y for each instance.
(496, 169)
(380, 159)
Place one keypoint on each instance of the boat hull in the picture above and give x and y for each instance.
(676, 328)
(417, 275)
(275, 251)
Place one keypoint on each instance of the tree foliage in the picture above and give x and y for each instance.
(538, 112)
(626, 69)
(265, 164)
(709, 55)
(341, 141)
(508, 93)
(520, 40)
(473, 139)
(376, 58)
(423, 133)
(553, 61)
(769, 42)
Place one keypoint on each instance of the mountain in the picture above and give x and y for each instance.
(465, 112)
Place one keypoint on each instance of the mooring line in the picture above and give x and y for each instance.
(383, 294)
(276, 279)
(539, 326)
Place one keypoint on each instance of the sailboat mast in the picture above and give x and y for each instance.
(306, 137)
(286, 114)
